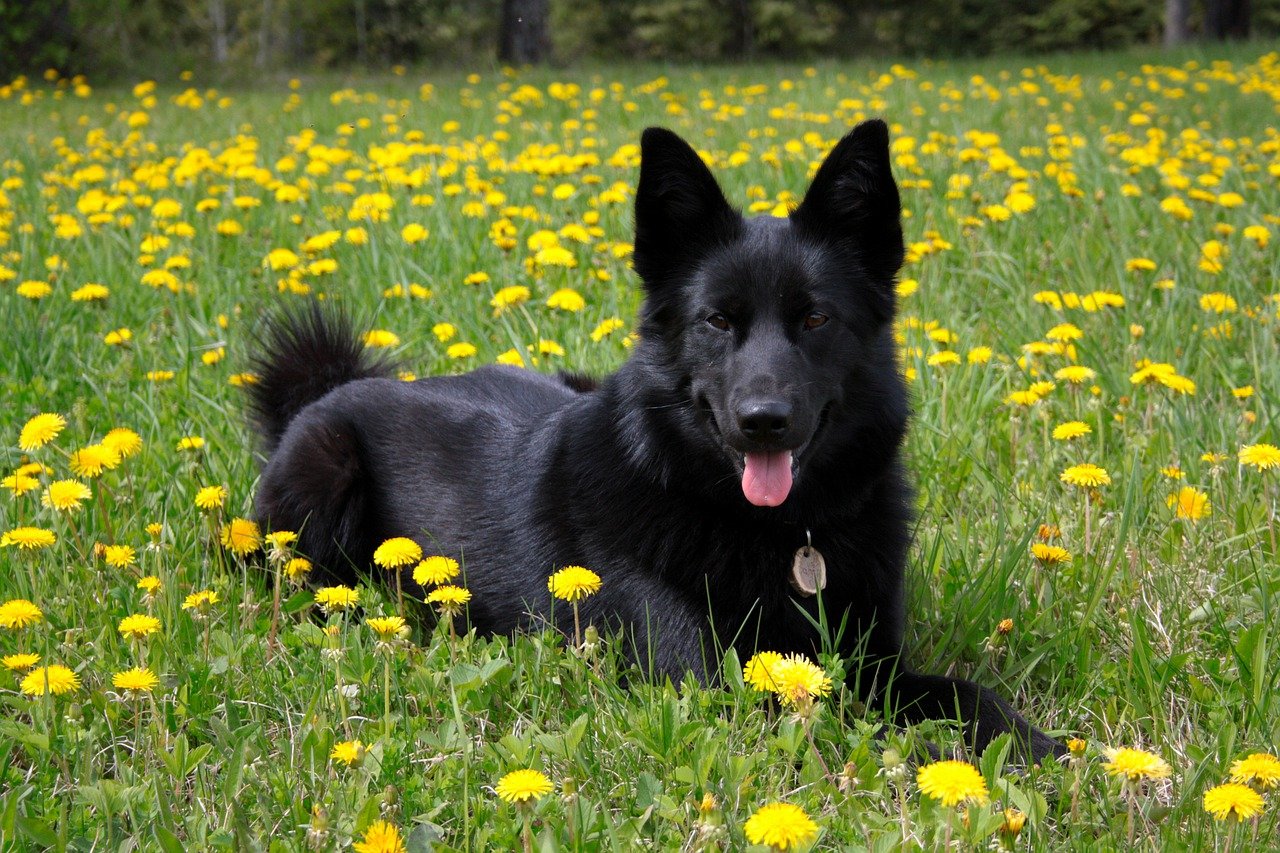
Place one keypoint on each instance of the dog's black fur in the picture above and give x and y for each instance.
(758, 336)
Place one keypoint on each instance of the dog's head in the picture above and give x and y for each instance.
(774, 330)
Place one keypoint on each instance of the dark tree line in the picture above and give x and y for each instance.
(152, 37)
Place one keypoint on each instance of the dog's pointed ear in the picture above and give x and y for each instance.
(853, 200)
(680, 209)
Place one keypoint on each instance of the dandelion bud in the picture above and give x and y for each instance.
(1076, 747)
(390, 805)
(1005, 627)
(318, 829)
(590, 640)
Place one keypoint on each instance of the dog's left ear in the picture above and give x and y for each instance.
(853, 200)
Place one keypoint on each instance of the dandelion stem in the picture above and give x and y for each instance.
(400, 593)
(386, 697)
(1087, 517)
(1132, 797)
(577, 631)
(275, 613)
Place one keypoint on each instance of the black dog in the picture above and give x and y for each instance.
(761, 410)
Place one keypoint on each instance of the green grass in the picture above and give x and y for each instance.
(1160, 635)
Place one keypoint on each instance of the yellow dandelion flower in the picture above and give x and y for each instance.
(943, 358)
(381, 338)
(190, 443)
(241, 536)
(1076, 374)
(380, 837)
(386, 627)
(1232, 800)
(414, 233)
(20, 484)
(1050, 554)
(210, 497)
(347, 752)
(1260, 768)
(759, 672)
(66, 495)
(1022, 398)
(979, 355)
(34, 289)
(1086, 476)
(566, 299)
(1263, 457)
(119, 556)
(1190, 503)
(138, 626)
(461, 350)
(573, 583)
(136, 681)
(396, 552)
(41, 430)
(952, 782)
(1071, 429)
(281, 259)
(509, 297)
(297, 568)
(521, 786)
(18, 613)
(435, 570)
(450, 599)
(150, 585)
(55, 679)
(91, 461)
(20, 662)
(1136, 765)
(331, 598)
(201, 602)
(123, 441)
(28, 538)
(781, 826)
(798, 680)
(605, 328)
(90, 293)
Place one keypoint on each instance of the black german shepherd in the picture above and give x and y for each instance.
(761, 410)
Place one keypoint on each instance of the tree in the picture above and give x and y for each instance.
(523, 37)
(1175, 22)
(1226, 19)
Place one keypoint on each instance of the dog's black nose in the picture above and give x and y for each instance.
(762, 420)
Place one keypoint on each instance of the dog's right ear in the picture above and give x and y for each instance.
(680, 209)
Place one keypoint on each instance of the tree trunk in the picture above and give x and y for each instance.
(264, 35)
(1226, 19)
(523, 37)
(742, 42)
(1175, 22)
(218, 18)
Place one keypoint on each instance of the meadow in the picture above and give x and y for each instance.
(1089, 318)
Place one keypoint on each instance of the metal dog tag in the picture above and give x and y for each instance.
(808, 571)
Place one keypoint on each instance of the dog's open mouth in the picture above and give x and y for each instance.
(767, 476)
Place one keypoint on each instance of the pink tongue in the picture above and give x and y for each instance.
(767, 478)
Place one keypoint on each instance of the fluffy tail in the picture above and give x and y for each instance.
(304, 353)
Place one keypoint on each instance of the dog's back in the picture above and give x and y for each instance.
(349, 447)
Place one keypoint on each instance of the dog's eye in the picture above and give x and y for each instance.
(719, 321)
(815, 320)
